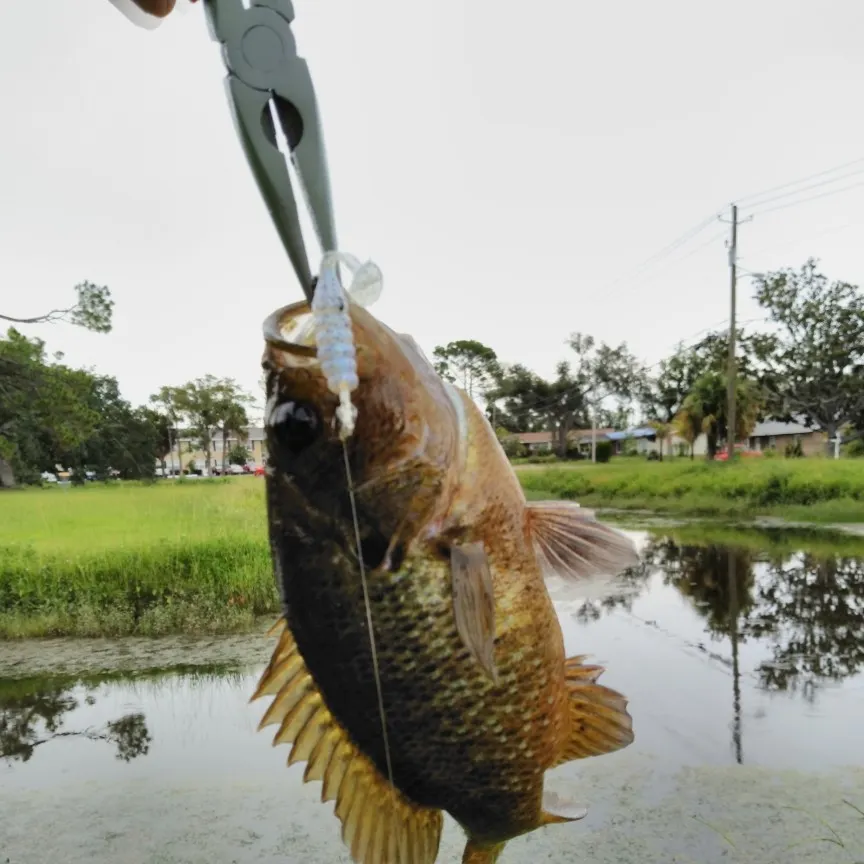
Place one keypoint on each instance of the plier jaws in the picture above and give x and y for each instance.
(260, 55)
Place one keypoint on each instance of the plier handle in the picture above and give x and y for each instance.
(260, 54)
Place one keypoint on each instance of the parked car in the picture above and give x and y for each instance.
(48, 477)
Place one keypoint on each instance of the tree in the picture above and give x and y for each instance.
(239, 455)
(163, 433)
(44, 408)
(619, 418)
(662, 431)
(212, 406)
(708, 402)
(536, 404)
(662, 397)
(602, 371)
(232, 417)
(688, 426)
(817, 359)
(169, 402)
(93, 310)
(124, 439)
(468, 363)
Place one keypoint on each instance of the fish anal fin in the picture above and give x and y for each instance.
(376, 818)
(474, 603)
(278, 628)
(598, 718)
(572, 544)
(475, 853)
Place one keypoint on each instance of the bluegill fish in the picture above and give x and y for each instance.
(479, 698)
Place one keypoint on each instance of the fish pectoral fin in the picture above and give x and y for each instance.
(558, 809)
(571, 543)
(474, 603)
(379, 824)
(598, 718)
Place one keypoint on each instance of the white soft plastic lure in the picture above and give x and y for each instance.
(334, 338)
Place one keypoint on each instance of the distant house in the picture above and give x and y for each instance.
(253, 440)
(545, 442)
(774, 435)
(535, 442)
(644, 440)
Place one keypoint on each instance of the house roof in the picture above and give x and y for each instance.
(772, 428)
(587, 433)
(573, 435)
(534, 437)
(641, 432)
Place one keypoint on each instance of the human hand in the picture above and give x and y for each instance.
(159, 8)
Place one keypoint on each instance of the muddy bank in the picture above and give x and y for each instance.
(30, 657)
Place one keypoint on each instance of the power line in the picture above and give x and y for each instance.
(800, 180)
(833, 230)
(807, 200)
(667, 250)
(807, 188)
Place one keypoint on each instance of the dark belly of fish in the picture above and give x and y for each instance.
(456, 742)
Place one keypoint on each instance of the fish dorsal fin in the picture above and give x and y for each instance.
(598, 718)
(474, 603)
(572, 544)
(379, 824)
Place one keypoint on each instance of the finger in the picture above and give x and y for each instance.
(159, 8)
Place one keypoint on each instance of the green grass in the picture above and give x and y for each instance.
(128, 559)
(811, 490)
(192, 557)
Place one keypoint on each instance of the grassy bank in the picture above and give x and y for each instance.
(192, 557)
(810, 490)
(101, 561)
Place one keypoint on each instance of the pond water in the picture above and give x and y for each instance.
(743, 664)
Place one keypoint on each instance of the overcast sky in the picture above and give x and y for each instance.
(508, 165)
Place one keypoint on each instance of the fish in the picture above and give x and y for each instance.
(478, 698)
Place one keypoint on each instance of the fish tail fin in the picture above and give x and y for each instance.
(380, 825)
(485, 854)
(599, 721)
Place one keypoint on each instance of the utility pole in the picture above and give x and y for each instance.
(732, 372)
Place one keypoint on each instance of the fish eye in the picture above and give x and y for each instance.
(295, 425)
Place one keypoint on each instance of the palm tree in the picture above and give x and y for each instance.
(233, 421)
(707, 402)
(688, 426)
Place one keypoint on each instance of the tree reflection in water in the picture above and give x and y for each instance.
(809, 608)
(32, 713)
(622, 593)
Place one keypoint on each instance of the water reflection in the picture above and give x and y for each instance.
(807, 608)
(36, 711)
(811, 611)
(32, 713)
(742, 649)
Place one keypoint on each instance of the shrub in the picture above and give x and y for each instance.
(604, 451)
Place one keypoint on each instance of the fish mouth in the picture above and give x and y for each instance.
(291, 330)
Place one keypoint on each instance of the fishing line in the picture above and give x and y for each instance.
(337, 355)
(375, 670)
